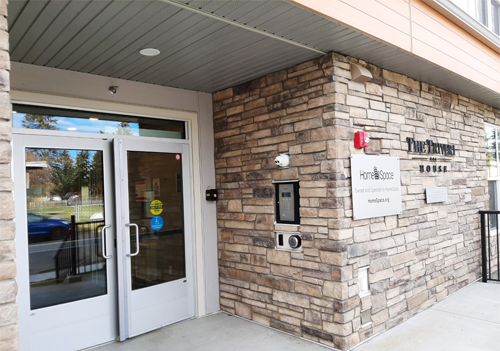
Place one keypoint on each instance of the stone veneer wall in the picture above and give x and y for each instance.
(8, 287)
(415, 259)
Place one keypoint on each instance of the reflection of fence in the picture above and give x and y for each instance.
(59, 209)
(42, 202)
(45, 204)
(79, 252)
(490, 245)
(85, 212)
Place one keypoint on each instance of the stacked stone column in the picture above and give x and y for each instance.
(8, 288)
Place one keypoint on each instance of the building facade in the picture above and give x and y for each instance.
(413, 259)
(109, 154)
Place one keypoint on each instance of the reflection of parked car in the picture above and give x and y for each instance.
(68, 195)
(75, 199)
(41, 225)
(54, 198)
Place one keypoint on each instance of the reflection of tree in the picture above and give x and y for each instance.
(124, 129)
(491, 151)
(65, 173)
(39, 178)
(96, 187)
(39, 122)
(83, 167)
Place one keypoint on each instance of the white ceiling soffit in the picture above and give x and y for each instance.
(205, 45)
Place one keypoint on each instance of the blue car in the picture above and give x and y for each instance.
(44, 226)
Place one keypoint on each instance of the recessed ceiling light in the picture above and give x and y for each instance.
(94, 119)
(71, 128)
(149, 52)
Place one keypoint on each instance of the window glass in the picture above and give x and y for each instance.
(483, 12)
(48, 118)
(492, 190)
(495, 17)
(491, 140)
(65, 205)
(156, 178)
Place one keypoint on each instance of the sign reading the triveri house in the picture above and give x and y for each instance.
(376, 186)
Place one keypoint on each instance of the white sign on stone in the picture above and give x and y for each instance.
(376, 186)
(433, 195)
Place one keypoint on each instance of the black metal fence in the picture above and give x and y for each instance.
(490, 253)
(80, 250)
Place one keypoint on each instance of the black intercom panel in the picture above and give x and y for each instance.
(287, 202)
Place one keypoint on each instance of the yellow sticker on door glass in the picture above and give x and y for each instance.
(156, 207)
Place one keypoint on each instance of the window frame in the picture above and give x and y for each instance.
(473, 10)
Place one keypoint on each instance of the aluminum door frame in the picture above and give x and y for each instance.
(20, 143)
(121, 146)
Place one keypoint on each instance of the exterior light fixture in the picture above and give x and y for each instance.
(94, 119)
(149, 52)
(113, 89)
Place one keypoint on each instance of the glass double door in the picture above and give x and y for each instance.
(103, 239)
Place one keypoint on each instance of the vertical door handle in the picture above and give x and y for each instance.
(136, 239)
(103, 242)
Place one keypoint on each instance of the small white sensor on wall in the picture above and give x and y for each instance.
(283, 160)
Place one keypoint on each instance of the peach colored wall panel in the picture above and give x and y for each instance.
(473, 67)
(385, 20)
(453, 48)
(443, 60)
(430, 36)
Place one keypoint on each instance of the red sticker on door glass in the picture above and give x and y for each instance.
(178, 157)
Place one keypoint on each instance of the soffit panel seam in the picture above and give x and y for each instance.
(237, 24)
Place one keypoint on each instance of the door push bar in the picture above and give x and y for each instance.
(136, 239)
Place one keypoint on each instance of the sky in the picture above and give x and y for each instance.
(82, 125)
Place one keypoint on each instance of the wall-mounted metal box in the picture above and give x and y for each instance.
(287, 202)
(288, 241)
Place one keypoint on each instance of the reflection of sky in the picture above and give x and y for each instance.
(72, 153)
(81, 124)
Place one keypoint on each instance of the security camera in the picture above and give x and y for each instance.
(113, 89)
(283, 160)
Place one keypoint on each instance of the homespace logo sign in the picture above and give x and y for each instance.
(376, 175)
(376, 186)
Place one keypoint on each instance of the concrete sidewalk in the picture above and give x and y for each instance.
(218, 332)
(469, 320)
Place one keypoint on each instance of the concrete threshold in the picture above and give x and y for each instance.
(220, 331)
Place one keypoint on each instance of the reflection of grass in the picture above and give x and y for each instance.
(52, 281)
(65, 212)
(46, 282)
